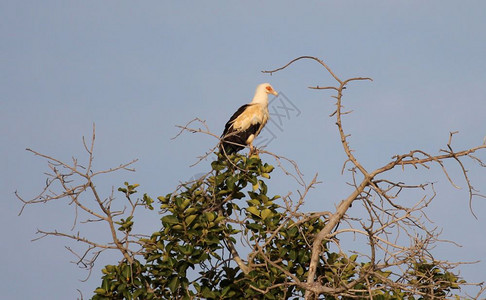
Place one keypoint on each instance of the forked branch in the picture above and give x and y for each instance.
(389, 216)
(74, 182)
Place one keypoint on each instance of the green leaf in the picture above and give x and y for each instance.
(253, 202)
(100, 291)
(255, 227)
(266, 213)
(105, 284)
(225, 290)
(190, 210)
(293, 254)
(174, 283)
(207, 293)
(263, 186)
(126, 272)
(185, 203)
(300, 270)
(267, 168)
(170, 219)
(210, 216)
(189, 219)
(231, 181)
(217, 165)
(253, 210)
(219, 219)
(177, 227)
(292, 231)
(138, 293)
(165, 199)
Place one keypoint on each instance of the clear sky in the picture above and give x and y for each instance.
(139, 69)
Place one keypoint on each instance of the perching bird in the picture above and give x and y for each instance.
(247, 122)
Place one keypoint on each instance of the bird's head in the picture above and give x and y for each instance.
(261, 94)
(267, 88)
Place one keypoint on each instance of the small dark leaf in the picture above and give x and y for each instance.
(170, 219)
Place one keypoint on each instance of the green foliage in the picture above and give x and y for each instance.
(128, 189)
(125, 281)
(190, 257)
(433, 280)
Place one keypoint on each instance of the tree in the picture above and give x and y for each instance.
(207, 224)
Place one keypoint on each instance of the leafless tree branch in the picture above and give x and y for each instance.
(389, 224)
(74, 182)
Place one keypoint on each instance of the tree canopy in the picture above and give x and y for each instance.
(224, 236)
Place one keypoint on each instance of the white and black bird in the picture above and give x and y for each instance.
(247, 122)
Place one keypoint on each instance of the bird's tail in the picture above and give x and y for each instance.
(227, 148)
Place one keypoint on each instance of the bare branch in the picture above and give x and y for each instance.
(70, 181)
(390, 216)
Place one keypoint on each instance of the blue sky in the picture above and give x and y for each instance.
(137, 70)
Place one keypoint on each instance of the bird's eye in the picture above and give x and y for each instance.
(269, 88)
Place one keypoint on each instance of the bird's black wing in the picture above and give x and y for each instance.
(233, 117)
(233, 141)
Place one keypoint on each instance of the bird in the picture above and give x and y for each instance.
(247, 122)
